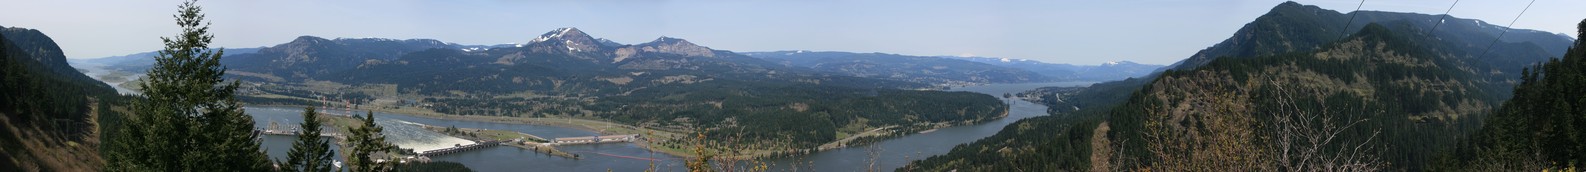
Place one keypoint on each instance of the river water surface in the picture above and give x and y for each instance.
(896, 152)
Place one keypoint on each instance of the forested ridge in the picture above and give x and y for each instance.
(1392, 94)
(1400, 98)
(1540, 128)
(793, 115)
(49, 110)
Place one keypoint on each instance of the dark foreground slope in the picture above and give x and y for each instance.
(50, 110)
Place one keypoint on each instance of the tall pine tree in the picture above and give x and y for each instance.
(187, 118)
(311, 152)
(367, 145)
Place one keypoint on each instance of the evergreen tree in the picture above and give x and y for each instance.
(311, 152)
(187, 118)
(436, 166)
(1539, 129)
(367, 142)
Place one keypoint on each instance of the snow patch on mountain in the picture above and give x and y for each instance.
(559, 33)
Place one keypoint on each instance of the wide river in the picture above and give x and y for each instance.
(892, 153)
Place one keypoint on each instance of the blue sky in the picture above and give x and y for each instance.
(1081, 32)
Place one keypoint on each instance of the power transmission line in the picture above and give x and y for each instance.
(1445, 17)
(1345, 31)
(1506, 29)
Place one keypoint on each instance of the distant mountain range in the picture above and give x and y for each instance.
(307, 56)
(140, 62)
(934, 70)
(565, 61)
(1109, 71)
(952, 70)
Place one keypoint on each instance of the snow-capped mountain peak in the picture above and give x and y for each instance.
(568, 38)
(560, 33)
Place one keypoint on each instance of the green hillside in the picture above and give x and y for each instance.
(49, 110)
(1401, 95)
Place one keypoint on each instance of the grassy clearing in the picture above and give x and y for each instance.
(341, 124)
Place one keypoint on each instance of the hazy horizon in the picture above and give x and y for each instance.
(1055, 32)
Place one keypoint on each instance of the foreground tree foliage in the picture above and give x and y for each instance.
(709, 155)
(435, 166)
(1218, 131)
(367, 145)
(1540, 128)
(311, 152)
(188, 118)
